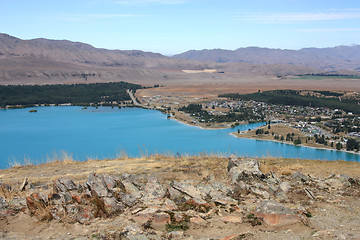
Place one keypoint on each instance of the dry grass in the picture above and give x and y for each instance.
(168, 167)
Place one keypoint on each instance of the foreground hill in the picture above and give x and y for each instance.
(161, 197)
(328, 59)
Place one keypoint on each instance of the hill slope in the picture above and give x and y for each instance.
(329, 59)
(44, 61)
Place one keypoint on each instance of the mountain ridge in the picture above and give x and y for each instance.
(47, 61)
(328, 59)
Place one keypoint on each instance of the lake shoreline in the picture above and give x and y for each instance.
(289, 143)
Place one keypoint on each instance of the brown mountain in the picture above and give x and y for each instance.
(44, 61)
(328, 59)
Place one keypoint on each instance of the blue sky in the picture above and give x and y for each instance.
(175, 26)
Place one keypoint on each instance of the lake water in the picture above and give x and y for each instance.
(106, 132)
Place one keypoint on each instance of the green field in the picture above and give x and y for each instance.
(322, 77)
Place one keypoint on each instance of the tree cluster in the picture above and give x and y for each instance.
(77, 94)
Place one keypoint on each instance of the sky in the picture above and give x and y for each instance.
(174, 26)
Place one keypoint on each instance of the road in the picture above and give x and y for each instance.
(133, 98)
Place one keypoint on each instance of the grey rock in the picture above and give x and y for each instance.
(153, 189)
(260, 192)
(219, 186)
(177, 196)
(284, 187)
(299, 177)
(189, 190)
(17, 202)
(131, 189)
(64, 185)
(138, 180)
(113, 182)
(275, 177)
(241, 189)
(72, 211)
(58, 212)
(244, 169)
(273, 208)
(128, 200)
(272, 189)
(112, 205)
(3, 203)
(97, 185)
(354, 182)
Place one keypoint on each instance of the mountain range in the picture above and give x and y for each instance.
(328, 59)
(45, 61)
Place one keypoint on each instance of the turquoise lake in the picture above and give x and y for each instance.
(106, 132)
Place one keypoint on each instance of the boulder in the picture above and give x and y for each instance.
(128, 200)
(241, 189)
(177, 196)
(112, 183)
(97, 186)
(259, 190)
(112, 205)
(153, 190)
(275, 214)
(189, 190)
(244, 169)
(299, 177)
(64, 185)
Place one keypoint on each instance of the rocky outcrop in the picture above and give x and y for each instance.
(166, 209)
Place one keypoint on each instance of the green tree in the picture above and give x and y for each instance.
(297, 141)
(338, 146)
(352, 144)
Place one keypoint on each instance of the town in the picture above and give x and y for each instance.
(320, 127)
